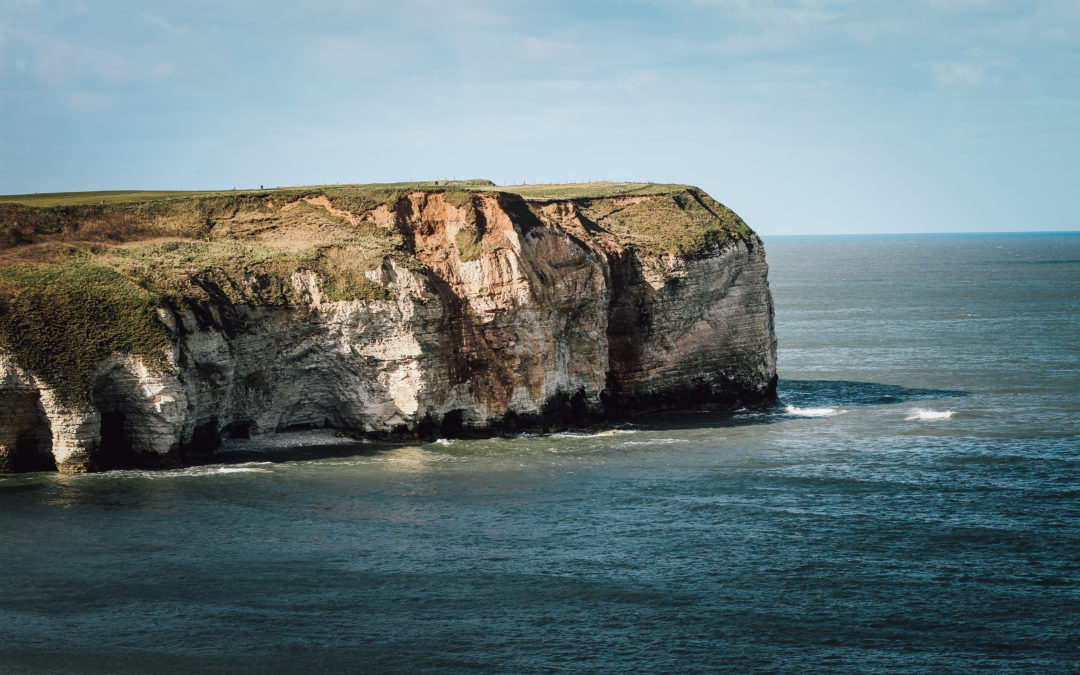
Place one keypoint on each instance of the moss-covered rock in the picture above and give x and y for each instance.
(61, 321)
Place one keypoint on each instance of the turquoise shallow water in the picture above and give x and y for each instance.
(913, 504)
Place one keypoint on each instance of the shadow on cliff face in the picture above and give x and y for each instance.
(289, 447)
(300, 454)
(798, 396)
(25, 434)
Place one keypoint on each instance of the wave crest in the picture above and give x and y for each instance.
(923, 415)
(813, 412)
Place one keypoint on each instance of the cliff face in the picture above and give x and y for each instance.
(488, 312)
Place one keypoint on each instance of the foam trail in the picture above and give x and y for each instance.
(813, 412)
(186, 472)
(929, 415)
(592, 434)
(654, 442)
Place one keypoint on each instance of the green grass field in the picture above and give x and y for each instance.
(588, 190)
(106, 197)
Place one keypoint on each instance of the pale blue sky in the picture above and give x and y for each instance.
(805, 116)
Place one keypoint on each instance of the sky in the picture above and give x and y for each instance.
(804, 116)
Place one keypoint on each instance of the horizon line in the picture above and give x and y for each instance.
(903, 234)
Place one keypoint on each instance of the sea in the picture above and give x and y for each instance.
(912, 504)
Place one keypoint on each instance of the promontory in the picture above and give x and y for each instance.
(141, 329)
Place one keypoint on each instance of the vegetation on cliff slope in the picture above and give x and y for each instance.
(684, 222)
(61, 320)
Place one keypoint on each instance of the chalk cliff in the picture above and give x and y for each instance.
(139, 333)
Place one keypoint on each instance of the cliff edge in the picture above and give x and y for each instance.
(137, 329)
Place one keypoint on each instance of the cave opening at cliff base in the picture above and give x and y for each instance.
(26, 436)
(111, 397)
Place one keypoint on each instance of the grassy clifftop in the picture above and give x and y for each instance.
(135, 196)
(81, 274)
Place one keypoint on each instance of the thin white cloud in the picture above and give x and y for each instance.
(959, 75)
(86, 101)
(541, 48)
(57, 62)
(19, 5)
(166, 25)
(968, 5)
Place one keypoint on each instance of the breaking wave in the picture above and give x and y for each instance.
(578, 434)
(186, 472)
(655, 441)
(813, 412)
(586, 434)
(929, 415)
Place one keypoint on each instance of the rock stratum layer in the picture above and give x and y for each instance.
(144, 332)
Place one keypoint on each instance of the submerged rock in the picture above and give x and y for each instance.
(414, 312)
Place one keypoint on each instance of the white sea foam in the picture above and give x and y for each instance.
(606, 432)
(409, 456)
(186, 472)
(444, 441)
(929, 415)
(813, 412)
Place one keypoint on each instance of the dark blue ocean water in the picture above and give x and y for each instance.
(912, 505)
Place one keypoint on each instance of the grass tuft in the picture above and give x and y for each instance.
(468, 244)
